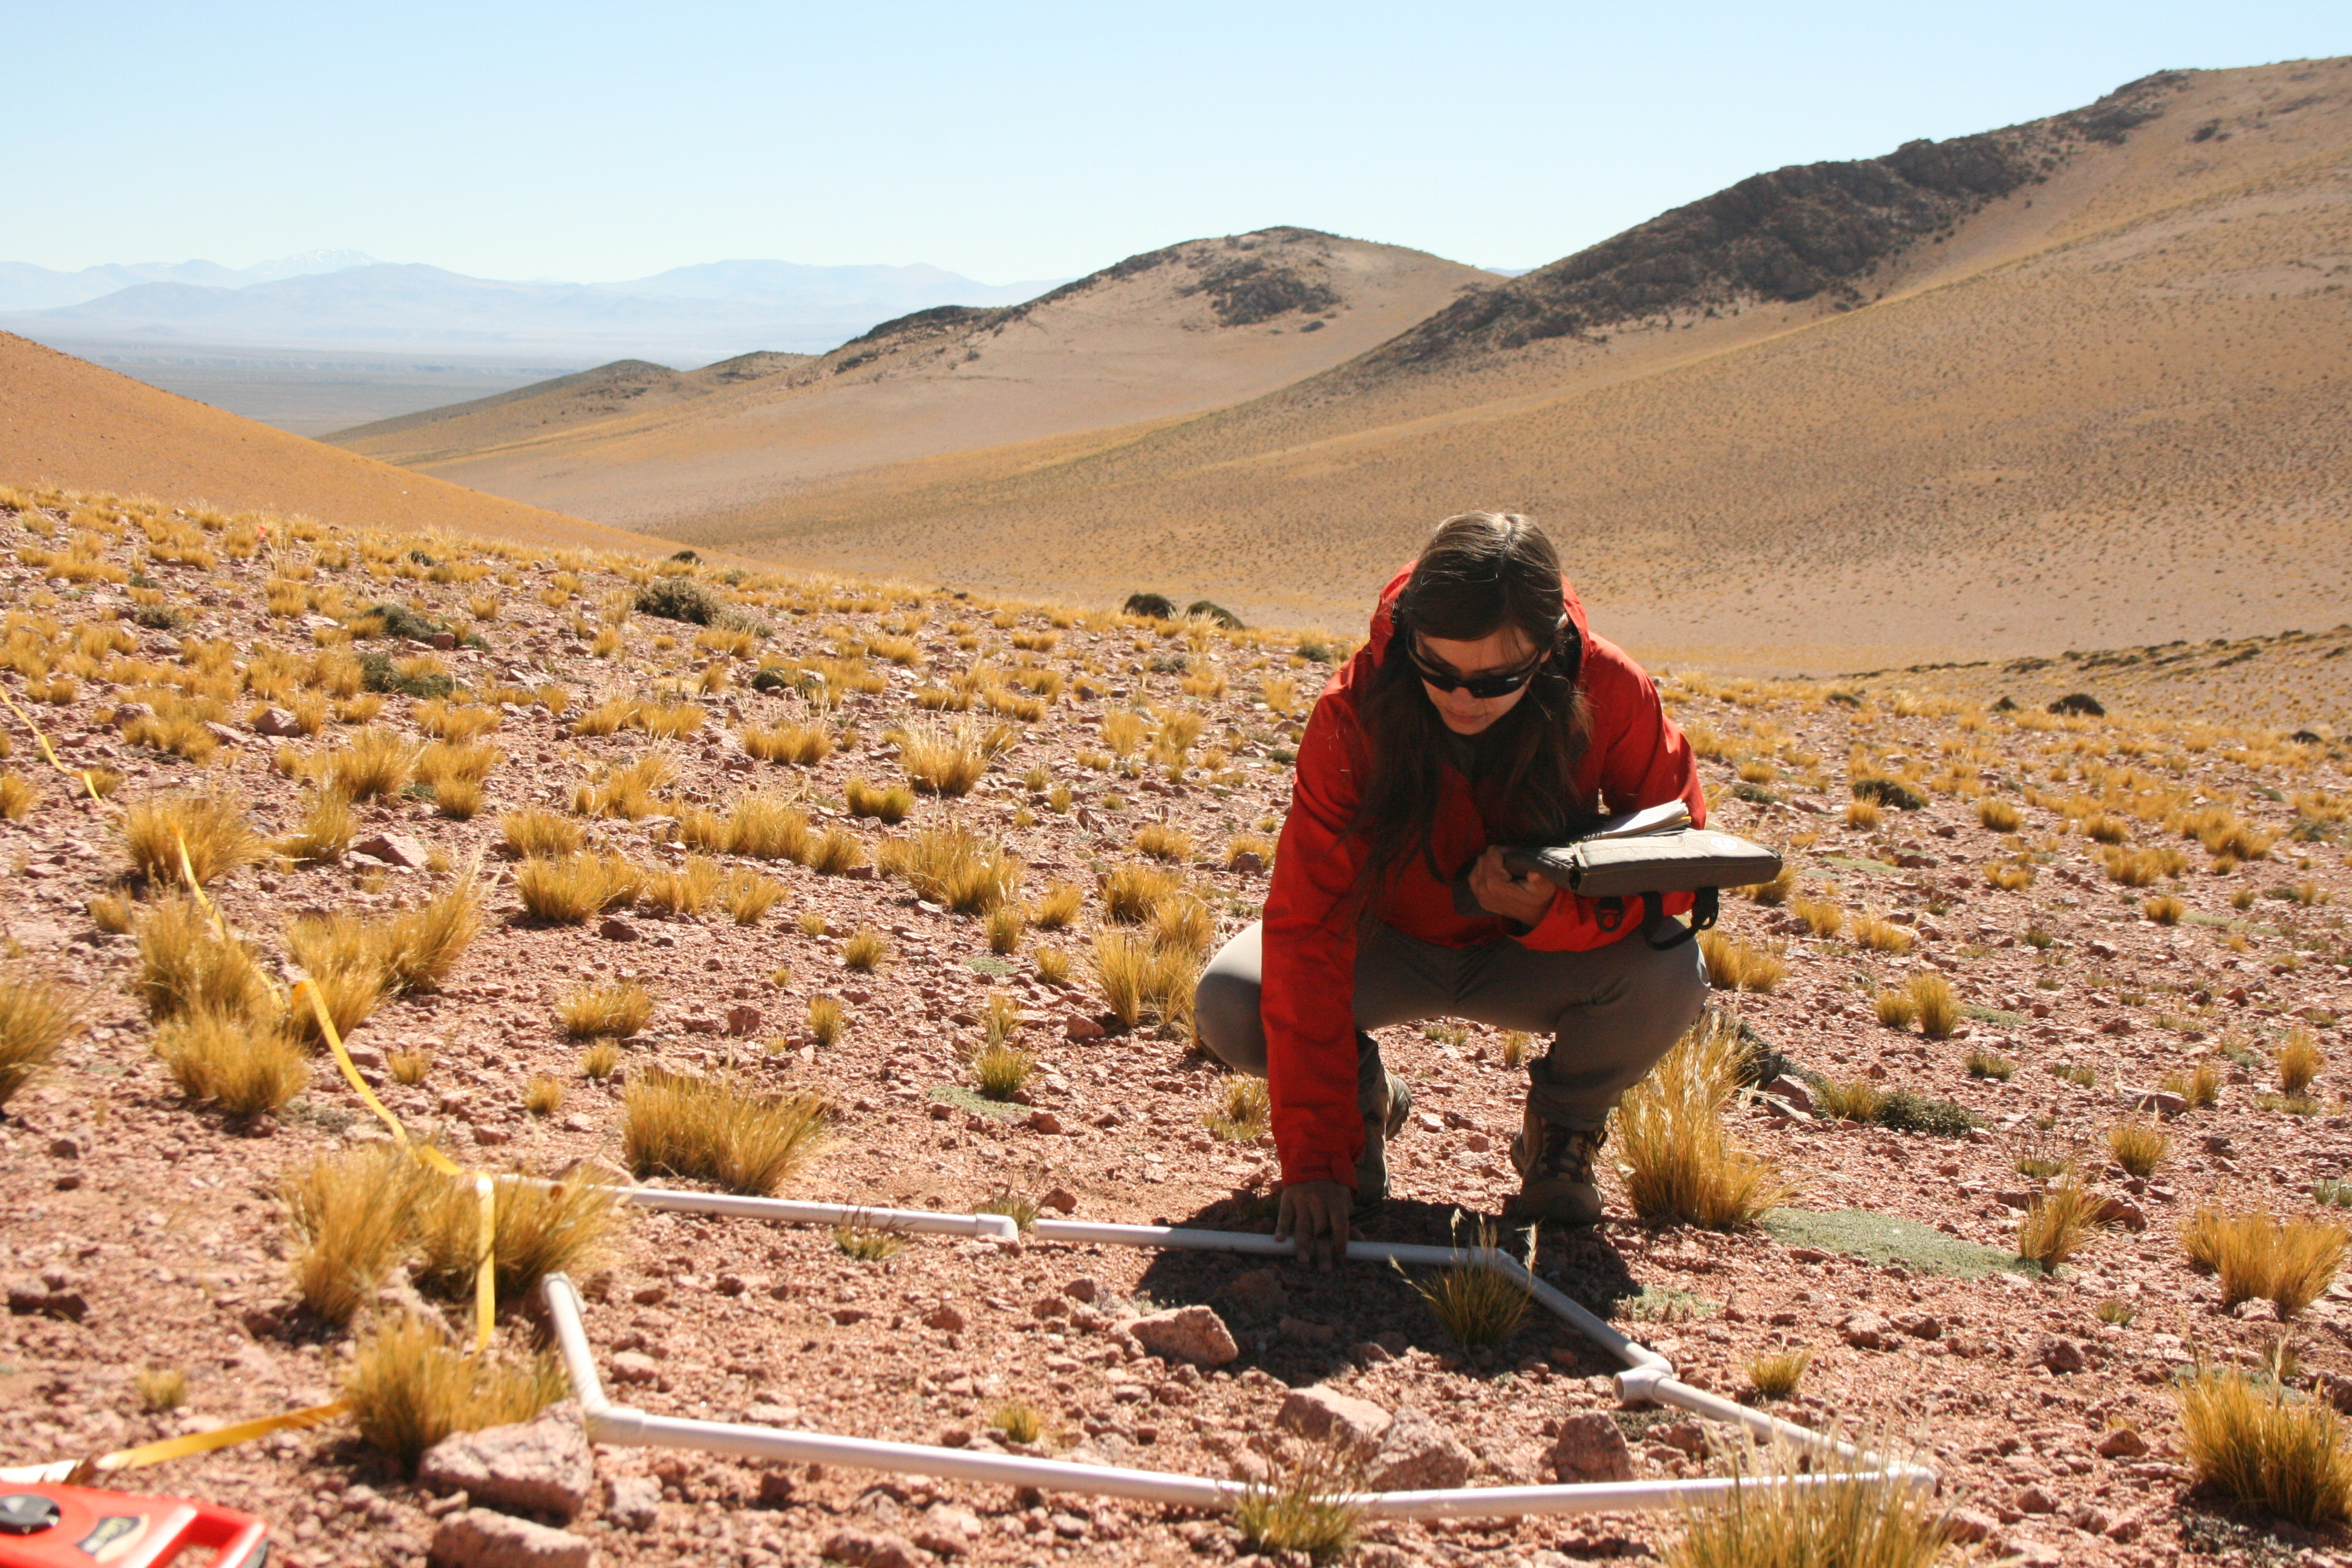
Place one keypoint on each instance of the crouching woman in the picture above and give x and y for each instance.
(1481, 712)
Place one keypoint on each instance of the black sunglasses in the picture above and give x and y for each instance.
(1482, 686)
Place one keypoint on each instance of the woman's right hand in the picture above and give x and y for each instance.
(1317, 1213)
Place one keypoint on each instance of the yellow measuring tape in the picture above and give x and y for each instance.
(69, 1472)
(42, 741)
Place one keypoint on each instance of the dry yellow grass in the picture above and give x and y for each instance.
(765, 828)
(1678, 1161)
(2139, 1147)
(352, 1218)
(614, 1010)
(577, 888)
(890, 805)
(2254, 1256)
(241, 1066)
(36, 1018)
(944, 760)
(409, 1387)
(211, 828)
(1939, 1008)
(535, 832)
(1734, 965)
(1133, 893)
(955, 866)
(718, 1130)
(372, 763)
(2248, 1442)
(541, 1229)
(183, 964)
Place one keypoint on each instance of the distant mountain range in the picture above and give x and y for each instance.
(345, 300)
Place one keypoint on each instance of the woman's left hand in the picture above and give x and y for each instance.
(1526, 899)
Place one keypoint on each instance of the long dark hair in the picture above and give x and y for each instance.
(1479, 572)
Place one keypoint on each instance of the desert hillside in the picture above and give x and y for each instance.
(1158, 337)
(2079, 384)
(613, 391)
(65, 421)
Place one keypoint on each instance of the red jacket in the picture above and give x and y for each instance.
(1636, 758)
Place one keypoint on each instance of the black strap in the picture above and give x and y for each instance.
(1609, 913)
(1663, 932)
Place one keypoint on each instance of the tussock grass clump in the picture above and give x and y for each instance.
(1777, 890)
(869, 1243)
(212, 828)
(536, 833)
(2256, 1255)
(824, 1019)
(1474, 1302)
(1736, 967)
(1018, 1208)
(1678, 1161)
(409, 1067)
(577, 888)
(543, 1095)
(1308, 1504)
(409, 1387)
(2009, 877)
(2060, 1219)
(1053, 964)
(1137, 978)
(1243, 1112)
(161, 1388)
(686, 891)
(2299, 1062)
(1005, 925)
(1896, 1009)
(748, 895)
(419, 947)
(2139, 1147)
(1123, 731)
(541, 1228)
(1882, 935)
(1019, 1421)
(2200, 1087)
(2000, 815)
(326, 831)
(1000, 1069)
(865, 949)
(112, 913)
(804, 744)
(1133, 893)
(1861, 814)
(1163, 841)
(890, 805)
(352, 1217)
(2164, 911)
(765, 828)
(36, 1017)
(373, 761)
(185, 964)
(1821, 915)
(1938, 1007)
(942, 759)
(229, 1061)
(955, 866)
(630, 791)
(1774, 1375)
(343, 962)
(1848, 1517)
(2248, 1442)
(613, 1011)
(718, 1130)
(601, 1060)
(18, 796)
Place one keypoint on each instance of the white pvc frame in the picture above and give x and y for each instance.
(1647, 1376)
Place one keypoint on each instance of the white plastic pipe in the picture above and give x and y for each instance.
(1648, 1376)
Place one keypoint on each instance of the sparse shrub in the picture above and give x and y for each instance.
(409, 1387)
(614, 1010)
(2249, 1443)
(1982, 1063)
(718, 1130)
(36, 1017)
(680, 599)
(1897, 1009)
(1678, 1161)
(869, 1243)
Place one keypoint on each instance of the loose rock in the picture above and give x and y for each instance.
(1186, 1333)
(1327, 1414)
(479, 1537)
(540, 1466)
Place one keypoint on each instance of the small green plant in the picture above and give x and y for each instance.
(1982, 1063)
(1020, 1421)
(1308, 1504)
(2117, 1313)
(1477, 1302)
(1022, 1211)
(1243, 1110)
(1774, 1375)
(869, 1243)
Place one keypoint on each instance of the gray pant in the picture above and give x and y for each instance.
(1611, 1013)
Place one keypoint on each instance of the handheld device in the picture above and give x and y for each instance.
(80, 1527)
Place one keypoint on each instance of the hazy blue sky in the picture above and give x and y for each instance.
(588, 141)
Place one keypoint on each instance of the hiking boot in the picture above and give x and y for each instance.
(1385, 1103)
(1555, 1166)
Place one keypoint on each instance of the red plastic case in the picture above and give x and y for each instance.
(78, 1527)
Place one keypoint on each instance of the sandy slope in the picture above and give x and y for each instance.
(67, 422)
(1161, 336)
(2107, 409)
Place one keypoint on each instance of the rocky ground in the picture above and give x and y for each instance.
(147, 1234)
